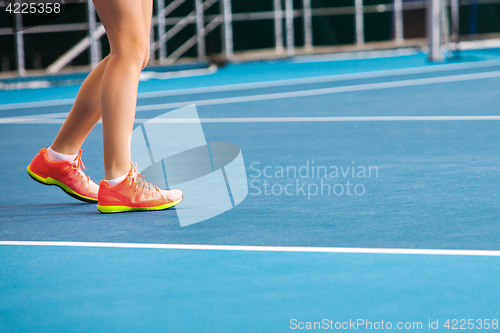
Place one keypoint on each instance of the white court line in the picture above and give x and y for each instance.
(147, 75)
(33, 119)
(276, 83)
(26, 105)
(273, 119)
(317, 119)
(444, 252)
(324, 91)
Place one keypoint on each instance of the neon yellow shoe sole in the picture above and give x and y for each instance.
(121, 209)
(51, 181)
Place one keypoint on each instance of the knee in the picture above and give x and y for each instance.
(134, 49)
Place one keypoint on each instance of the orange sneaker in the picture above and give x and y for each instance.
(134, 193)
(67, 175)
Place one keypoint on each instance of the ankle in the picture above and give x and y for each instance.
(116, 181)
(116, 170)
(55, 156)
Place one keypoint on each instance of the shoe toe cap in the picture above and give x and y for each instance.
(175, 195)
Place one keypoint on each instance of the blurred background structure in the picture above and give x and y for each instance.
(219, 31)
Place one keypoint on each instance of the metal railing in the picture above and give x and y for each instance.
(205, 24)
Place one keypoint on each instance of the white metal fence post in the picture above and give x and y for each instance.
(228, 29)
(455, 21)
(360, 30)
(278, 26)
(200, 29)
(308, 38)
(162, 49)
(20, 44)
(308, 43)
(290, 40)
(434, 30)
(398, 22)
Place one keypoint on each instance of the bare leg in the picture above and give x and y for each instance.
(127, 24)
(128, 33)
(112, 89)
(84, 114)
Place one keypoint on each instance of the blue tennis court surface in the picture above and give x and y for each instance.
(412, 158)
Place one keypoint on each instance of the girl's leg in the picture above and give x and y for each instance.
(84, 114)
(127, 24)
(128, 34)
(86, 110)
